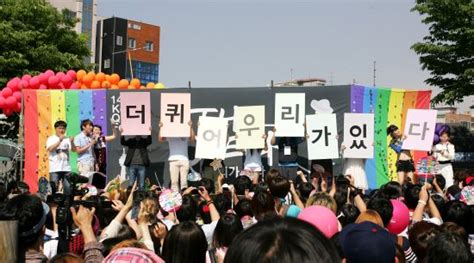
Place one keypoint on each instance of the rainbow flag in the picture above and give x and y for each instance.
(389, 107)
(49, 106)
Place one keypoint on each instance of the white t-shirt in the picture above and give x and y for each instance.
(178, 149)
(253, 160)
(59, 158)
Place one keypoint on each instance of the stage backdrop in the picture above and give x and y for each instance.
(44, 107)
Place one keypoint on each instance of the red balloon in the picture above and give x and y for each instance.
(67, 81)
(7, 112)
(26, 77)
(17, 107)
(24, 84)
(73, 86)
(3, 102)
(71, 73)
(34, 82)
(60, 85)
(11, 102)
(42, 86)
(49, 73)
(13, 83)
(43, 77)
(17, 95)
(53, 82)
(60, 75)
(7, 92)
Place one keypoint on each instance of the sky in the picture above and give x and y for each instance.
(248, 43)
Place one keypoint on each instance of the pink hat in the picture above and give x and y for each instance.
(322, 218)
(132, 255)
(400, 217)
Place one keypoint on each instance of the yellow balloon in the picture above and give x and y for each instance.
(160, 86)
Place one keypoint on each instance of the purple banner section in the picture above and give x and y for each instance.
(357, 99)
(100, 110)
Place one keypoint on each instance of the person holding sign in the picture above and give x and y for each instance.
(253, 167)
(137, 159)
(355, 167)
(405, 167)
(443, 152)
(287, 154)
(178, 158)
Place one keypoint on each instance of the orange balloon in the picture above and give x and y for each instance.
(136, 83)
(108, 77)
(123, 84)
(115, 78)
(105, 84)
(84, 86)
(131, 87)
(100, 77)
(80, 74)
(87, 80)
(113, 86)
(95, 84)
(150, 85)
(91, 73)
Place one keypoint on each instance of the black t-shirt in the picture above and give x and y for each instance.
(291, 144)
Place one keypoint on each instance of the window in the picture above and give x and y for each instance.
(107, 63)
(129, 25)
(119, 40)
(146, 72)
(149, 46)
(137, 27)
(132, 43)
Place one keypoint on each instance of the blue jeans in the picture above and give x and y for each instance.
(136, 172)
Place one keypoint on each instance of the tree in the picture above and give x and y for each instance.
(34, 37)
(448, 51)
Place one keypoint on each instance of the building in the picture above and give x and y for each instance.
(302, 82)
(449, 115)
(128, 48)
(86, 12)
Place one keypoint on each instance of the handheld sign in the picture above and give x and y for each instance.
(322, 132)
(358, 135)
(170, 201)
(175, 114)
(249, 123)
(419, 129)
(211, 138)
(135, 113)
(289, 114)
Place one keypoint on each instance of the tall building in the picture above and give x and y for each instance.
(451, 116)
(86, 12)
(128, 48)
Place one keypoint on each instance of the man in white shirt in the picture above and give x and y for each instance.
(58, 147)
(84, 146)
(178, 158)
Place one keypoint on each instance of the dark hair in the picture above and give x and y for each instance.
(3, 193)
(243, 208)
(440, 180)
(421, 234)
(60, 124)
(447, 248)
(341, 196)
(391, 129)
(440, 202)
(241, 183)
(305, 190)
(445, 132)
(188, 210)
(185, 242)
(263, 206)
(337, 243)
(457, 212)
(272, 173)
(391, 190)
(455, 229)
(348, 214)
(208, 184)
(98, 126)
(411, 195)
(227, 228)
(124, 233)
(28, 210)
(382, 206)
(279, 187)
(222, 203)
(66, 258)
(261, 187)
(282, 240)
(85, 123)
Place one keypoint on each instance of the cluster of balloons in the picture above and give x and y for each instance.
(11, 95)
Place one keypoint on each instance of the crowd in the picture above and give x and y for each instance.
(282, 215)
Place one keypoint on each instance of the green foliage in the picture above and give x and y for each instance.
(448, 51)
(462, 138)
(35, 37)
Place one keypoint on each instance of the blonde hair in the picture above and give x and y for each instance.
(322, 199)
(370, 216)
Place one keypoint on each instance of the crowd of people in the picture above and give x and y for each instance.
(281, 215)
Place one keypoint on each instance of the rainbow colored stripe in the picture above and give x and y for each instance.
(49, 106)
(390, 106)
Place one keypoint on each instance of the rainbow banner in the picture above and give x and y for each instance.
(390, 107)
(42, 109)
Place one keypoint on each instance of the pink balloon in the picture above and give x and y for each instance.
(26, 77)
(7, 92)
(3, 102)
(7, 112)
(400, 217)
(71, 73)
(43, 77)
(66, 80)
(42, 86)
(60, 75)
(17, 107)
(34, 82)
(73, 86)
(11, 102)
(17, 95)
(49, 73)
(53, 82)
(322, 218)
(24, 84)
(13, 83)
